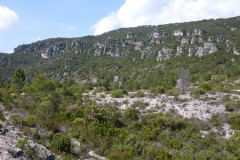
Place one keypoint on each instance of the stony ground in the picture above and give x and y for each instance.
(8, 141)
(186, 105)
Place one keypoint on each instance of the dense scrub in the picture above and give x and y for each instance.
(58, 108)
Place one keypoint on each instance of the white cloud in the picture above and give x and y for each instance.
(8, 18)
(154, 12)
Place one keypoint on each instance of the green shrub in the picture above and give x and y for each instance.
(117, 94)
(16, 120)
(35, 134)
(160, 90)
(139, 94)
(139, 104)
(21, 143)
(125, 101)
(234, 120)
(206, 87)
(238, 104)
(1, 115)
(131, 113)
(232, 145)
(215, 120)
(61, 143)
(199, 91)
(31, 121)
(229, 107)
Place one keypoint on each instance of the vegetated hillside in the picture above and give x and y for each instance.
(141, 57)
(150, 92)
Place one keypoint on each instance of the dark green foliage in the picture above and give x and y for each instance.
(31, 121)
(21, 143)
(232, 145)
(229, 107)
(215, 120)
(160, 90)
(16, 120)
(199, 91)
(139, 94)
(131, 114)
(206, 87)
(119, 93)
(234, 120)
(2, 118)
(19, 77)
(61, 143)
(140, 104)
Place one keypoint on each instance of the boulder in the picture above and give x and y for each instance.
(178, 33)
(184, 41)
(207, 49)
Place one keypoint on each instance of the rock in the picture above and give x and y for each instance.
(132, 35)
(92, 154)
(233, 60)
(180, 50)
(233, 29)
(184, 41)
(220, 39)
(146, 52)
(160, 66)
(16, 153)
(189, 33)
(66, 74)
(97, 52)
(116, 79)
(191, 51)
(198, 32)
(157, 34)
(94, 79)
(164, 54)
(193, 40)
(138, 46)
(179, 84)
(236, 52)
(207, 49)
(210, 39)
(178, 33)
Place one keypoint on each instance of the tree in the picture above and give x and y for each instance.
(61, 143)
(19, 77)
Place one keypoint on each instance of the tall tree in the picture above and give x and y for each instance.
(19, 77)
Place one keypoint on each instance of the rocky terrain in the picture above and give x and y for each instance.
(186, 105)
(10, 136)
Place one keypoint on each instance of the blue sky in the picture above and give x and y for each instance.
(52, 18)
(27, 21)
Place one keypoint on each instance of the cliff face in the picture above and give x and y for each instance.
(152, 43)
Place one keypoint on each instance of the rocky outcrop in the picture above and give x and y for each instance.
(132, 35)
(180, 50)
(138, 46)
(164, 54)
(184, 41)
(191, 51)
(236, 52)
(197, 32)
(119, 80)
(9, 137)
(207, 49)
(178, 33)
(146, 52)
(157, 34)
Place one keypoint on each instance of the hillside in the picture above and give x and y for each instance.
(149, 92)
(131, 52)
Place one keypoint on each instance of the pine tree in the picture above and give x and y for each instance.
(19, 77)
